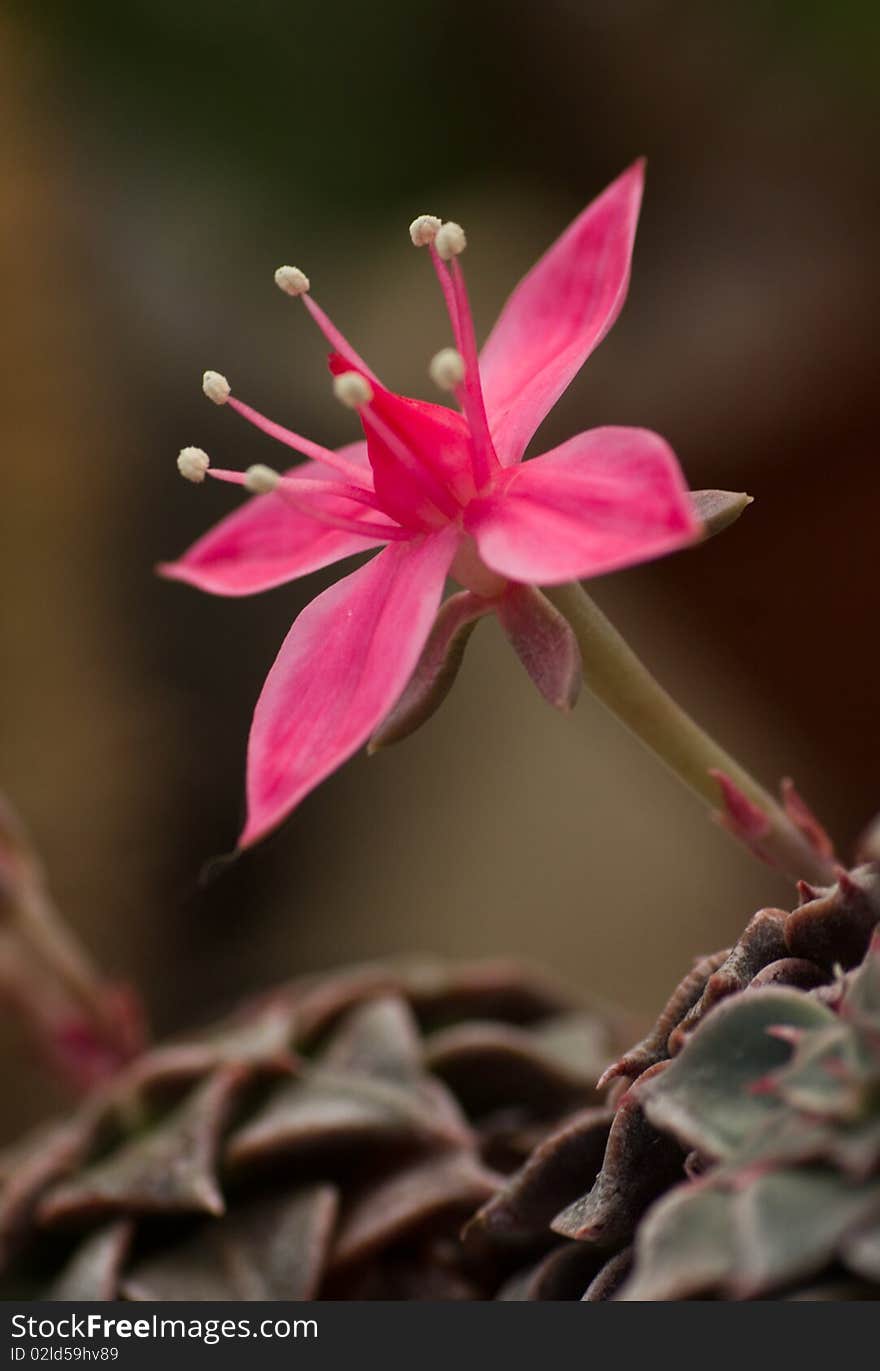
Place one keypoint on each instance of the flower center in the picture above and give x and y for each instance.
(470, 571)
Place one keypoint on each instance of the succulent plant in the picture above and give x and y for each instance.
(431, 1131)
(328, 1140)
(743, 1157)
(778, 1095)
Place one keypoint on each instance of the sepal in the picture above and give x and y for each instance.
(543, 640)
(436, 670)
(718, 509)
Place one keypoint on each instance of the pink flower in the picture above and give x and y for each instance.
(443, 493)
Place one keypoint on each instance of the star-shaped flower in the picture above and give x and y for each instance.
(443, 492)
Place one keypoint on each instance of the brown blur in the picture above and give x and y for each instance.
(157, 162)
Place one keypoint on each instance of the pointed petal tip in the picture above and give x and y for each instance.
(254, 833)
(558, 313)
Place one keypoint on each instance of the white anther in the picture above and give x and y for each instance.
(446, 368)
(292, 281)
(192, 463)
(259, 479)
(450, 240)
(423, 229)
(216, 387)
(352, 390)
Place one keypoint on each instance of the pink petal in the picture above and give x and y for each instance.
(605, 499)
(267, 541)
(438, 442)
(341, 668)
(558, 314)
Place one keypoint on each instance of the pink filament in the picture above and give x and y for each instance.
(337, 340)
(485, 458)
(469, 393)
(366, 527)
(448, 295)
(338, 489)
(296, 493)
(358, 475)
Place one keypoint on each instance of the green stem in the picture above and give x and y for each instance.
(617, 677)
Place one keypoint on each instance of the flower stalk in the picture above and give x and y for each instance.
(621, 681)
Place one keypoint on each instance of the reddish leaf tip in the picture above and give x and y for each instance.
(741, 816)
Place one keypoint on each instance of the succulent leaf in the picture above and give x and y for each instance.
(685, 1246)
(551, 1178)
(271, 1249)
(706, 1097)
(305, 1147)
(789, 1223)
(639, 1164)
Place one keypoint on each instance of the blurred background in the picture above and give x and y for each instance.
(157, 161)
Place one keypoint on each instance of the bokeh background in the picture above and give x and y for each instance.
(157, 161)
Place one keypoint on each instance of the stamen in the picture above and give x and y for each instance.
(446, 369)
(305, 446)
(216, 387)
(292, 281)
(296, 493)
(367, 528)
(260, 480)
(485, 458)
(352, 390)
(337, 340)
(423, 229)
(338, 489)
(450, 240)
(448, 293)
(193, 463)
